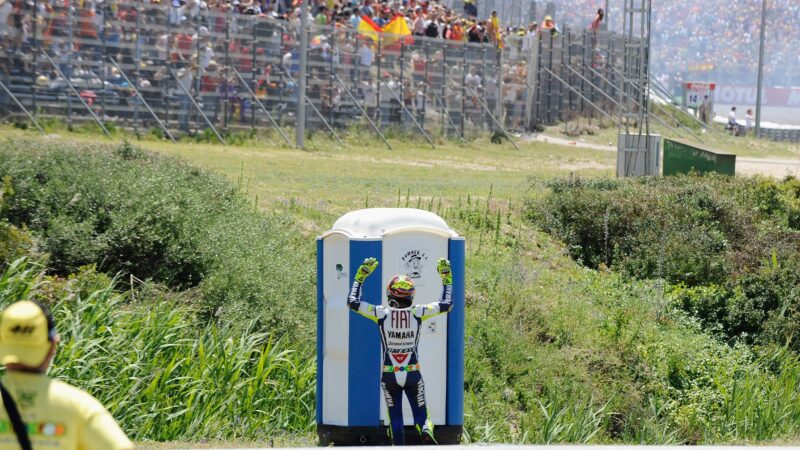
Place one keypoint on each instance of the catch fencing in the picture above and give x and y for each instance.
(150, 70)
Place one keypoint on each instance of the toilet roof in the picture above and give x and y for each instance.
(376, 222)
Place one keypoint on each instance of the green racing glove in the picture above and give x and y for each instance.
(366, 268)
(443, 267)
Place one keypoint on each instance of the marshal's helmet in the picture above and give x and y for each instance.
(400, 292)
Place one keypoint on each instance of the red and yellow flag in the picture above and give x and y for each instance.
(368, 28)
(395, 30)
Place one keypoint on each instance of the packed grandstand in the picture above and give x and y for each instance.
(189, 37)
(702, 35)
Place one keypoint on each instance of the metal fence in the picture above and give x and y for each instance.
(147, 68)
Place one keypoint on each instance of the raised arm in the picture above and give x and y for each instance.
(445, 303)
(354, 299)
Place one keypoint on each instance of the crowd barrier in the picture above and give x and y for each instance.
(144, 67)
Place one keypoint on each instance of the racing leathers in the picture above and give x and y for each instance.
(400, 331)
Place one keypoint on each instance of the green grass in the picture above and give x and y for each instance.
(557, 352)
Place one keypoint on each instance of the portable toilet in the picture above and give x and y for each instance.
(350, 406)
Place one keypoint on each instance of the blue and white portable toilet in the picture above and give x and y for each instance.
(350, 407)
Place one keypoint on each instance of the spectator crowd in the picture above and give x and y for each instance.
(711, 38)
(173, 50)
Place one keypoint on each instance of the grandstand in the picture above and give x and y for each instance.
(186, 65)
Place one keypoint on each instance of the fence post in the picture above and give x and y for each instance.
(103, 60)
(137, 60)
(402, 74)
(425, 83)
(378, 60)
(168, 66)
(253, 73)
(71, 51)
(226, 71)
(564, 39)
(500, 113)
(35, 54)
(197, 74)
(567, 63)
(583, 71)
(539, 68)
(445, 113)
(463, 88)
(550, 80)
(332, 71)
(485, 78)
(533, 77)
(281, 80)
(592, 92)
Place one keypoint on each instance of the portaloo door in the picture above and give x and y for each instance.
(336, 319)
(414, 253)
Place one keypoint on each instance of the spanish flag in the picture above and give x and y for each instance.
(368, 28)
(396, 29)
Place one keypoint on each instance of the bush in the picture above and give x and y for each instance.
(14, 243)
(133, 213)
(645, 228)
(730, 246)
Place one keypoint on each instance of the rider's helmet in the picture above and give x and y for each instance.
(400, 291)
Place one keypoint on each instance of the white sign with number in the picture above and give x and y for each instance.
(694, 93)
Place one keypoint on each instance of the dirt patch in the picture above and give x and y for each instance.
(575, 166)
(769, 167)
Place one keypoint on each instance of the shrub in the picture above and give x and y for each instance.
(14, 242)
(133, 213)
(729, 246)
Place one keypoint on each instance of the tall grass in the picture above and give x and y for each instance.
(163, 375)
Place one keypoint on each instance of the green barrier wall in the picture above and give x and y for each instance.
(681, 158)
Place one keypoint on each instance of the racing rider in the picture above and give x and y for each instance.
(400, 330)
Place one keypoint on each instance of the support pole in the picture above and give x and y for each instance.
(71, 48)
(403, 105)
(225, 79)
(300, 125)
(579, 94)
(638, 104)
(137, 59)
(463, 89)
(34, 86)
(141, 99)
(319, 114)
(261, 105)
(445, 112)
(425, 83)
(366, 116)
(25, 110)
(75, 91)
(660, 87)
(378, 60)
(187, 93)
(761, 66)
(449, 120)
(502, 130)
(650, 114)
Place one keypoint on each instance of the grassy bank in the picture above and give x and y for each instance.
(556, 352)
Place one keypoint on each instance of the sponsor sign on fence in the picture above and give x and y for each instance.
(747, 95)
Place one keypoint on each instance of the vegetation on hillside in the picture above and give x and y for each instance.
(153, 218)
(215, 342)
(163, 373)
(729, 248)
